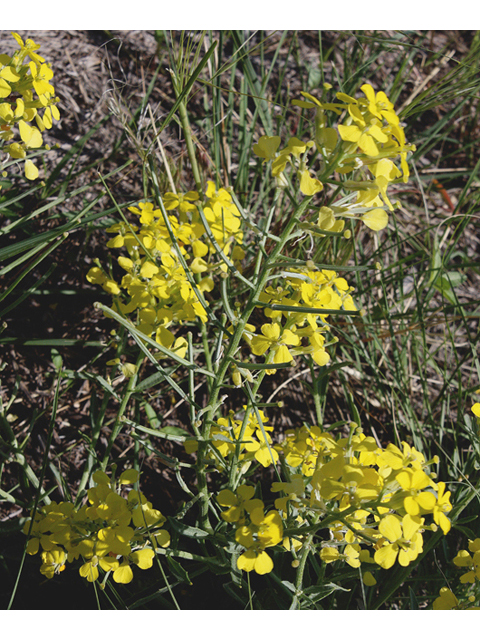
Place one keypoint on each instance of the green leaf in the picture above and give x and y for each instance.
(175, 431)
(178, 571)
(56, 359)
(447, 283)
(413, 599)
(319, 592)
(186, 530)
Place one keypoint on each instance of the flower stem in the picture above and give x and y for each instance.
(187, 132)
(230, 352)
(123, 407)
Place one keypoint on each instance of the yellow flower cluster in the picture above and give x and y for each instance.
(156, 286)
(466, 560)
(469, 560)
(363, 147)
(110, 532)
(253, 443)
(294, 154)
(25, 92)
(255, 529)
(293, 329)
(374, 497)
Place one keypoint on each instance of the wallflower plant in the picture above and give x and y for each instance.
(205, 289)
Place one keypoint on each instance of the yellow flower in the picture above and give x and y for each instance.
(272, 339)
(366, 133)
(182, 202)
(262, 449)
(264, 531)
(269, 527)
(393, 457)
(53, 562)
(441, 507)
(40, 77)
(256, 560)
(379, 105)
(402, 539)
(142, 558)
(294, 489)
(413, 482)
(239, 503)
(330, 554)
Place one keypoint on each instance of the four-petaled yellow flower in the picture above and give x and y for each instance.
(402, 539)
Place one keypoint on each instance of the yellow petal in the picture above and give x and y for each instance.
(246, 562)
(446, 601)
(130, 476)
(143, 558)
(282, 354)
(390, 528)
(329, 554)
(149, 269)
(263, 563)
(308, 185)
(31, 171)
(123, 574)
(386, 556)
(31, 136)
(350, 133)
(267, 147)
(368, 579)
(100, 477)
(367, 145)
(5, 89)
(321, 357)
(377, 219)
(9, 74)
(89, 572)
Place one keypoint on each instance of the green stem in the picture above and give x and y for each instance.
(206, 351)
(230, 352)
(121, 411)
(316, 394)
(187, 132)
(234, 476)
(301, 570)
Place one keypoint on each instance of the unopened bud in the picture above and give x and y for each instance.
(280, 181)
